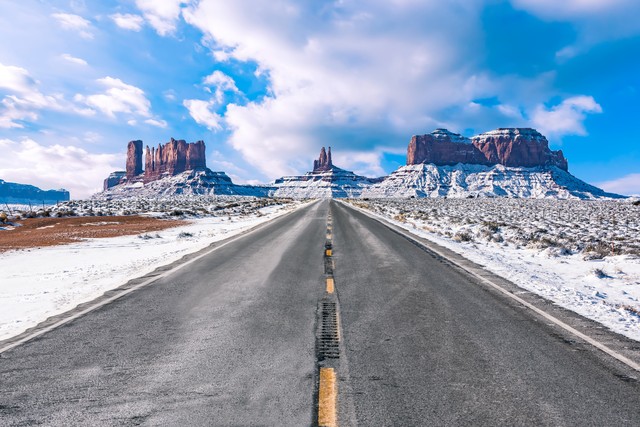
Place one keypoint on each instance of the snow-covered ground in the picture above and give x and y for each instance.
(583, 255)
(38, 283)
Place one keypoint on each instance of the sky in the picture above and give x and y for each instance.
(266, 84)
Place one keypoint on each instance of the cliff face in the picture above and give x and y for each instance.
(172, 158)
(324, 163)
(11, 192)
(518, 147)
(134, 159)
(442, 147)
(514, 147)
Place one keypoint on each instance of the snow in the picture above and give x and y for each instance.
(39, 283)
(335, 182)
(582, 255)
(466, 180)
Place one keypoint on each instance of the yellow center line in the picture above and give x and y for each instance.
(328, 252)
(330, 285)
(327, 393)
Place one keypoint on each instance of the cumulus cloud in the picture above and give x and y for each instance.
(158, 123)
(365, 73)
(128, 21)
(73, 59)
(119, 97)
(56, 166)
(162, 15)
(221, 83)
(594, 20)
(567, 118)
(24, 98)
(628, 185)
(201, 112)
(75, 23)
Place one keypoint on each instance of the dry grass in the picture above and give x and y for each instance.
(39, 232)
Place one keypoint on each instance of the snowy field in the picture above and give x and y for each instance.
(38, 283)
(583, 255)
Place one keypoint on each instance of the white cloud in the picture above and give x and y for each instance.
(73, 59)
(628, 185)
(16, 79)
(24, 98)
(158, 123)
(56, 166)
(554, 9)
(202, 114)
(162, 15)
(594, 21)
(76, 23)
(128, 21)
(119, 97)
(360, 72)
(222, 83)
(567, 118)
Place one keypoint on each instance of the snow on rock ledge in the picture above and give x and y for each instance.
(463, 180)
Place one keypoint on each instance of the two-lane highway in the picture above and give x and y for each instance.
(228, 341)
(231, 340)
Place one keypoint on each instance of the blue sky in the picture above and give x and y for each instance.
(267, 83)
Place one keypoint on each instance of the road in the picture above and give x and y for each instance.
(233, 340)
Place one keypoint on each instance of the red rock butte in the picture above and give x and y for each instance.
(324, 163)
(172, 158)
(514, 147)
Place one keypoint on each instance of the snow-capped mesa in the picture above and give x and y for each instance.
(14, 193)
(174, 168)
(325, 181)
(506, 162)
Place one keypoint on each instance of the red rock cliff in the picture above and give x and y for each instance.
(173, 158)
(442, 147)
(517, 147)
(134, 159)
(324, 163)
(523, 147)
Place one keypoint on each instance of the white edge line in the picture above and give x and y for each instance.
(136, 287)
(630, 363)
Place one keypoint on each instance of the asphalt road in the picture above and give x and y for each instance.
(231, 341)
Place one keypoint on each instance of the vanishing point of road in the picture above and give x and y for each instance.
(324, 316)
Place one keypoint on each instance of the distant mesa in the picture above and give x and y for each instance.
(174, 168)
(324, 181)
(170, 159)
(14, 193)
(513, 147)
(506, 162)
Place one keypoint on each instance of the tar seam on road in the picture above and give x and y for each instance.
(328, 342)
(129, 290)
(621, 358)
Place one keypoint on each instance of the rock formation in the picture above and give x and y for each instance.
(442, 147)
(114, 179)
(172, 158)
(323, 164)
(11, 192)
(515, 147)
(518, 147)
(134, 159)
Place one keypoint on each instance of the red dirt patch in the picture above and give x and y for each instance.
(38, 232)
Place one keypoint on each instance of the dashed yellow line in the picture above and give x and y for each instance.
(330, 285)
(327, 393)
(328, 252)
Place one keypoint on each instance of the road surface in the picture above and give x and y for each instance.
(235, 339)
